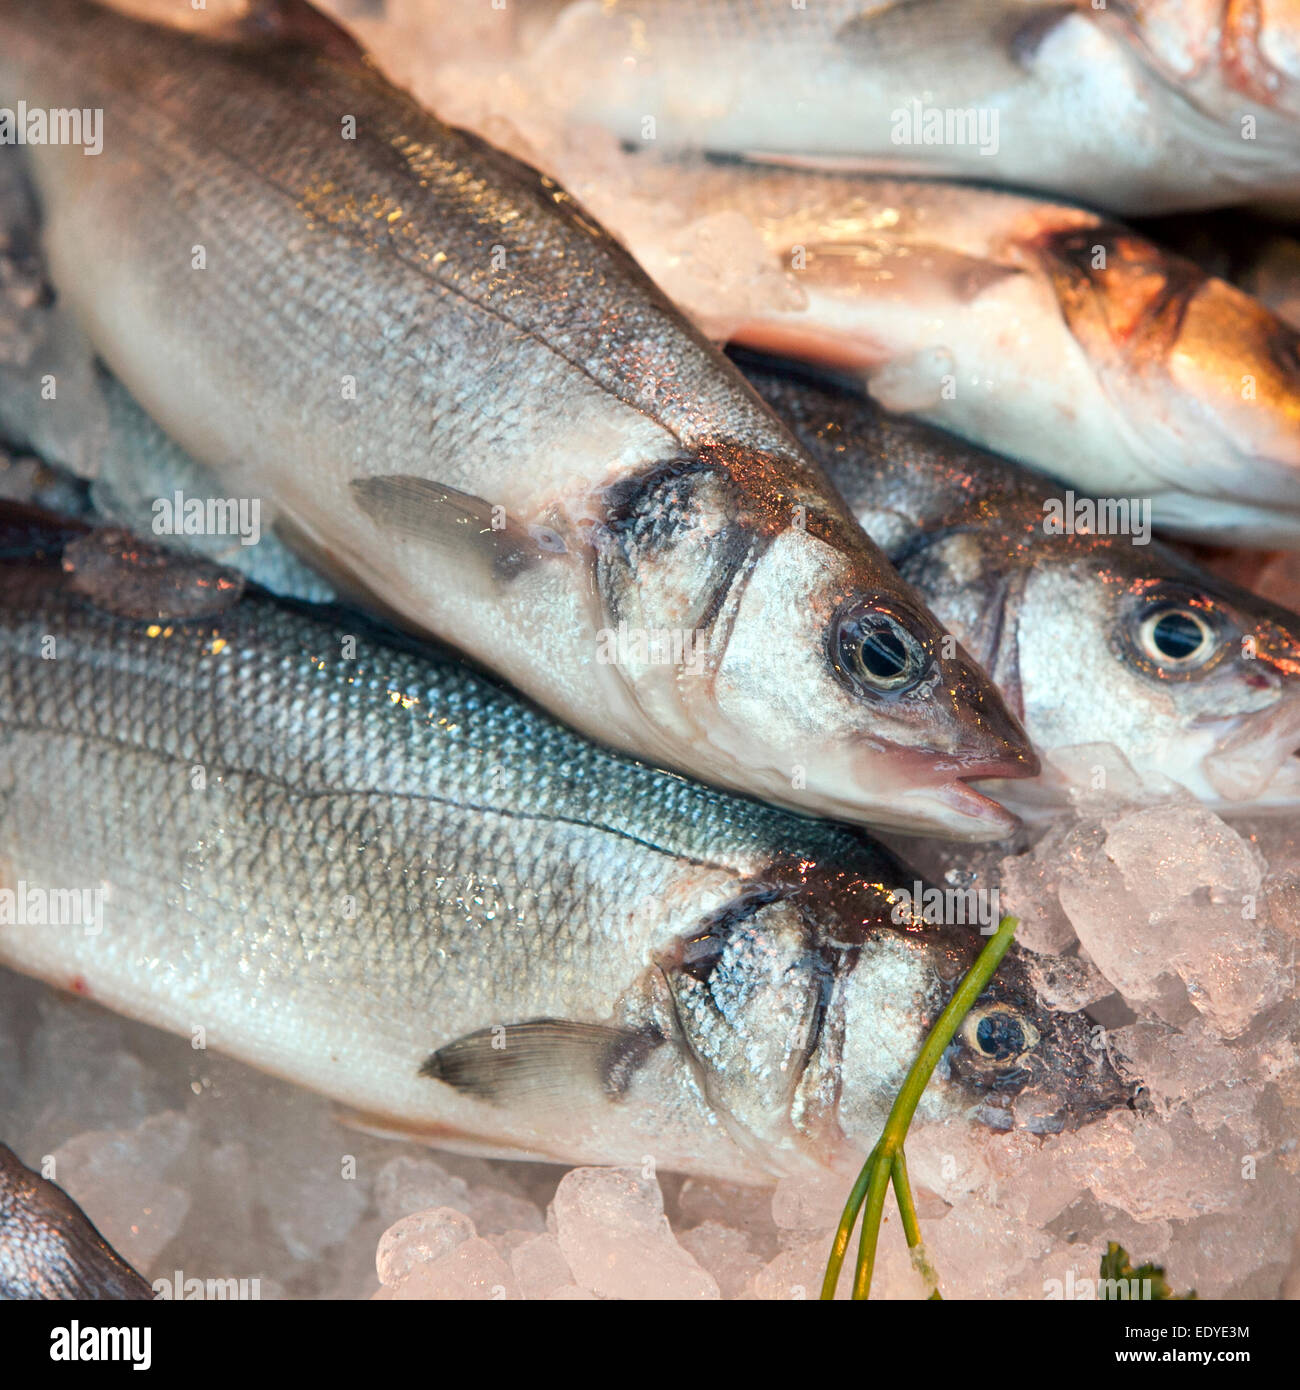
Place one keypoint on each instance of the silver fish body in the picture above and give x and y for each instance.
(48, 1247)
(1039, 330)
(1146, 106)
(1093, 637)
(362, 867)
(460, 396)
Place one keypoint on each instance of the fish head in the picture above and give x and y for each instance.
(803, 1011)
(1240, 365)
(1189, 676)
(833, 677)
(1204, 373)
(1015, 1062)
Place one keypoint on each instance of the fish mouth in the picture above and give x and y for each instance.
(923, 802)
(1261, 761)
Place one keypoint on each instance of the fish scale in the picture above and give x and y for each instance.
(969, 529)
(421, 354)
(447, 911)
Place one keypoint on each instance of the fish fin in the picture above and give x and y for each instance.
(978, 45)
(438, 1136)
(130, 579)
(542, 1058)
(471, 529)
(72, 1259)
(292, 22)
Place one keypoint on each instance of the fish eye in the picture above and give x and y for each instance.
(999, 1034)
(872, 648)
(1177, 638)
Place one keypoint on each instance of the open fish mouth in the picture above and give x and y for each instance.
(1261, 760)
(973, 806)
(921, 803)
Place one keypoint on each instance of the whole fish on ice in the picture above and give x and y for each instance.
(1036, 329)
(463, 399)
(1093, 637)
(1134, 105)
(360, 866)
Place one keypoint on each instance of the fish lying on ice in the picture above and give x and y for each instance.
(373, 872)
(48, 1247)
(1137, 106)
(1036, 329)
(1093, 638)
(456, 392)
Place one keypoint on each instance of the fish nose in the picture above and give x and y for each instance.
(998, 745)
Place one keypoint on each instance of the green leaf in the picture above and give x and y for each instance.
(1116, 1264)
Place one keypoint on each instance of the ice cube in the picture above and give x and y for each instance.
(423, 1238)
(473, 1270)
(614, 1235)
(120, 1178)
(540, 1267)
(725, 1253)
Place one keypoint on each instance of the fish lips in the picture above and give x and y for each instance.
(1259, 759)
(931, 796)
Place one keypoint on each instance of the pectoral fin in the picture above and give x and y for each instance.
(547, 1059)
(979, 46)
(471, 531)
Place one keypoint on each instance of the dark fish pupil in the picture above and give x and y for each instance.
(883, 655)
(1177, 636)
(1000, 1036)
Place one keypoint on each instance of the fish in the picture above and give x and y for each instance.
(48, 1247)
(1094, 636)
(1142, 106)
(360, 865)
(1038, 330)
(463, 401)
(1258, 255)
